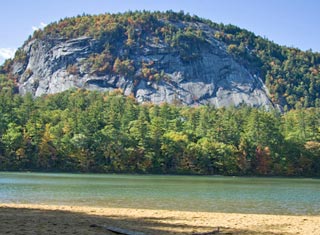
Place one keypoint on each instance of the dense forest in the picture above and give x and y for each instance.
(291, 75)
(85, 131)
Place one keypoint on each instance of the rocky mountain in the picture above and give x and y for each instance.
(158, 57)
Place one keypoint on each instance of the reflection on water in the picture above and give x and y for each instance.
(188, 193)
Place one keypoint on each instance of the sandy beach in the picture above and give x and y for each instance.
(30, 219)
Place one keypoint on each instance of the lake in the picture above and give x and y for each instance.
(185, 193)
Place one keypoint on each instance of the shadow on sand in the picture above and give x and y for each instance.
(21, 221)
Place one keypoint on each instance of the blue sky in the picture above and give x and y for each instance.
(286, 22)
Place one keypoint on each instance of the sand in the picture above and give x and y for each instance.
(31, 219)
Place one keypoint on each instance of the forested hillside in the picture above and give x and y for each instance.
(291, 75)
(89, 131)
(85, 131)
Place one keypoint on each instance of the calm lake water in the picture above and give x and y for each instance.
(186, 193)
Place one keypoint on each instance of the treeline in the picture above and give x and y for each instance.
(291, 75)
(83, 131)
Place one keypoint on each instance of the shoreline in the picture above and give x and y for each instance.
(54, 219)
(161, 174)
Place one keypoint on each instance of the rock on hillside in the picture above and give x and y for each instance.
(191, 70)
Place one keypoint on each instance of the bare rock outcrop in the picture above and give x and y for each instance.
(211, 76)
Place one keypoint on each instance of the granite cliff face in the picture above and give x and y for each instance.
(156, 71)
